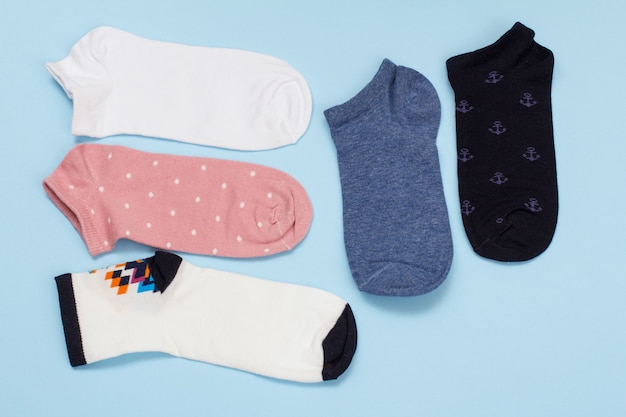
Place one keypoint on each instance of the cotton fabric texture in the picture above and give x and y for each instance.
(505, 142)
(396, 228)
(190, 204)
(166, 304)
(121, 83)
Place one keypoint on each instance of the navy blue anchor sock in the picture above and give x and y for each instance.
(506, 158)
(396, 227)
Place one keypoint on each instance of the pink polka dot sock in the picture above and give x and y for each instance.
(182, 203)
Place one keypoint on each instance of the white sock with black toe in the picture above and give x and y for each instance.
(166, 304)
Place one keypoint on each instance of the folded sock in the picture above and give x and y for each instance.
(183, 203)
(396, 228)
(166, 304)
(122, 83)
(506, 160)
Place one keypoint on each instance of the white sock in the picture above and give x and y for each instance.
(124, 84)
(167, 304)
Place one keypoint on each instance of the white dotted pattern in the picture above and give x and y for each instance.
(156, 224)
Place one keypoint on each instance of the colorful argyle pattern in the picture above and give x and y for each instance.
(123, 275)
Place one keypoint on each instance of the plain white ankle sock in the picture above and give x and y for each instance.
(166, 304)
(124, 84)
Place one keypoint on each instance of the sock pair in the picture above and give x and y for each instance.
(181, 203)
(166, 304)
(506, 157)
(121, 83)
(396, 228)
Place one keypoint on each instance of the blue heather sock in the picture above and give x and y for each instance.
(396, 227)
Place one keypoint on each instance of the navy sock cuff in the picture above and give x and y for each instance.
(513, 43)
(69, 316)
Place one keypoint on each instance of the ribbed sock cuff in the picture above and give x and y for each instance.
(370, 96)
(69, 316)
(60, 185)
(516, 40)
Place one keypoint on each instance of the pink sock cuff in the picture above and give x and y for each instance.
(79, 208)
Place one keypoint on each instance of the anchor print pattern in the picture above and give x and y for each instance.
(467, 208)
(497, 128)
(465, 155)
(494, 77)
(533, 205)
(498, 178)
(531, 154)
(528, 100)
(464, 106)
(506, 162)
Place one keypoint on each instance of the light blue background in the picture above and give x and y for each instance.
(542, 338)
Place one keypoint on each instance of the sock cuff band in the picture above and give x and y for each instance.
(513, 42)
(370, 96)
(69, 317)
(57, 186)
(73, 173)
